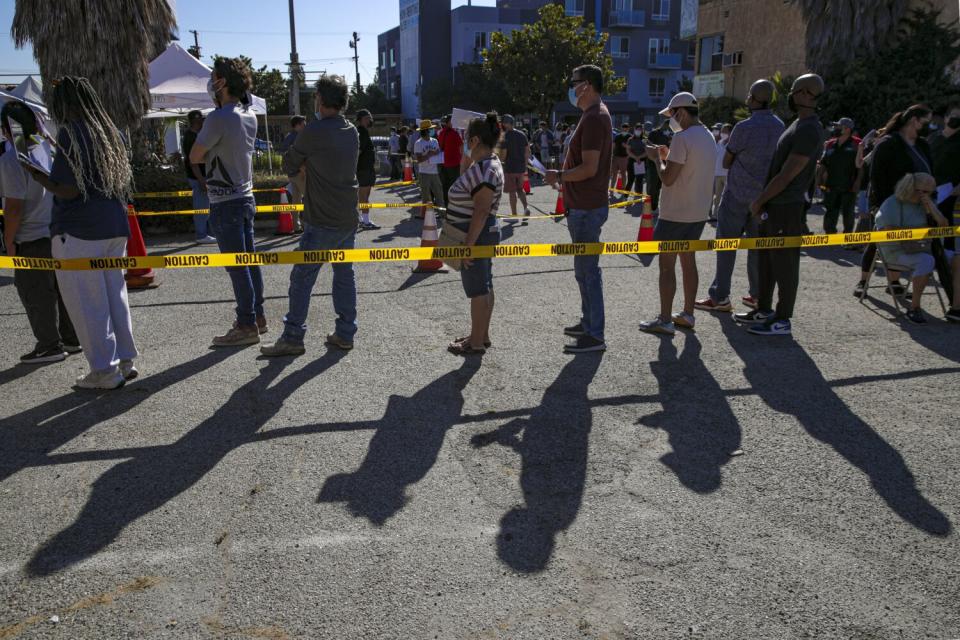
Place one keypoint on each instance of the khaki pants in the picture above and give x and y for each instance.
(297, 190)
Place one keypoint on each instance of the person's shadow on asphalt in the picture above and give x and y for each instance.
(553, 444)
(787, 379)
(403, 449)
(155, 475)
(702, 429)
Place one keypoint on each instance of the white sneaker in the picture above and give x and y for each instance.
(207, 240)
(127, 370)
(101, 380)
(684, 320)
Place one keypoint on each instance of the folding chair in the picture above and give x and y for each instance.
(881, 261)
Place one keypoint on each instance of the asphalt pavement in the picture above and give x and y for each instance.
(713, 485)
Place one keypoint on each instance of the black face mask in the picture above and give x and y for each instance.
(791, 103)
(836, 132)
(924, 130)
(954, 123)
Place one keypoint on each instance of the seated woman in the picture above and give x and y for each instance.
(909, 208)
(472, 207)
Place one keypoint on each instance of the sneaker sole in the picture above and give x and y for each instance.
(601, 347)
(703, 307)
(245, 343)
(768, 333)
(72, 351)
(45, 359)
(338, 346)
(99, 388)
(660, 332)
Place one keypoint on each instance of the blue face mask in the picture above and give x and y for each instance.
(572, 96)
(317, 114)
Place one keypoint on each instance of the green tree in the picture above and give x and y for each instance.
(914, 69)
(534, 62)
(269, 85)
(720, 109)
(372, 98)
(436, 98)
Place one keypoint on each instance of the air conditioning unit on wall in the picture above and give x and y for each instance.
(734, 59)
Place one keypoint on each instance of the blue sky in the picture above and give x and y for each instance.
(260, 29)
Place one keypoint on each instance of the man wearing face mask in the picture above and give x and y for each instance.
(585, 178)
(720, 171)
(224, 146)
(636, 167)
(328, 148)
(747, 159)
(839, 176)
(686, 171)
(783, 201)
(945, 147)
(660, 137)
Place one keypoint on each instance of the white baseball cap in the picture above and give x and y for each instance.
(682, 99)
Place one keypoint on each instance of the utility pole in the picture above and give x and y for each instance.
(356, 57)
(195, 49)
(295, 68)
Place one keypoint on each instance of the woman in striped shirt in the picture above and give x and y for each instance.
(472, 204)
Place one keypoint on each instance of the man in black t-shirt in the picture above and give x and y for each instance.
(366, 167)
(661, 138)
(840, 177)
(200, 199)
(780, 208)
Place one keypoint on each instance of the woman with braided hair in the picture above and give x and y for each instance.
(91, 183)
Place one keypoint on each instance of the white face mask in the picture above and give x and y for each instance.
(675, 125)
(212, 92)
(638, 132)
(724, 136)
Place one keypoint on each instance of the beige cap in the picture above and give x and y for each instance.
(682, 99)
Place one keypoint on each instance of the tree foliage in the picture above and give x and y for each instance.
(720, 109)
(473, 88)
(372, 98)
(873, 86)
(535, 61)
(269, 85)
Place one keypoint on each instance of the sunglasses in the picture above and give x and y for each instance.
(572, 83)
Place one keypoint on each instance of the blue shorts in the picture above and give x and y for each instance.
(478, 277)
(669, 230)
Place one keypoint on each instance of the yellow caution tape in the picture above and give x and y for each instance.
(388, 185)
(632, 194)
(184, 194)
(405, 254)
(287, 208)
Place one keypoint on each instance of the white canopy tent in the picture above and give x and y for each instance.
(29, 91)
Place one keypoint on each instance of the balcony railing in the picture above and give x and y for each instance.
(667, 61)
(628, 18)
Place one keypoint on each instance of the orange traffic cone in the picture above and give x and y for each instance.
(407, 170)
(137, 248)
(619, 182)
(285, 219)
(429, 238)
(526, 183)
(560, 210)
(645, 233)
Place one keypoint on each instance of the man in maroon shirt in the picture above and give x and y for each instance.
(452, 146)
(584, 180)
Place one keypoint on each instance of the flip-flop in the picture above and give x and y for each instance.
(486, 343)
(464, 349)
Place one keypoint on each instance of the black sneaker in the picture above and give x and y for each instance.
(42, 357)
(915, 316)
(896, 288)
(585, 344)
(575, 331)
(859, 289)
(953, 315)
(753, 317)
(72, 349)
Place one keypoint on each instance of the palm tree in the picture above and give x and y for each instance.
(839, 29)
(110, 42)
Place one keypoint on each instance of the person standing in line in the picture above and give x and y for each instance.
(393, 146)
(686, 171)
(425, 149)
(366, 168)
(747, 158)
(200, 201)
(544, 140)
(451, 145)
(295, 188)
(720, 170)
(91, 181)
(26, 230)
(328, 149)
(585, 178)
(517, 149)
(783, 202)
(839, 177)
(658, 137)
(637, 162)
(945, 148)
(620, 158)
(225, 144)
(403, 146)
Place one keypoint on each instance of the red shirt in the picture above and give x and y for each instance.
(452, 146)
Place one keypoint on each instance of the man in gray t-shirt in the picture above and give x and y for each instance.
(328, 148)
(26, 207)
(517, 148)
(228, 135)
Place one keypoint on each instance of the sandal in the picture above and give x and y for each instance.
(486, 343)
(464, 349)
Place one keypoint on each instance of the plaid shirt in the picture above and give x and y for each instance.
(752, 143)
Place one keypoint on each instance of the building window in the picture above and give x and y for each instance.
(393, 57)
(625, 5)
(661, 10)
(657, 88)
(711, 55)
(480, 40)
(383, 59)
(574, 7)
(658, 46)
(620, 46)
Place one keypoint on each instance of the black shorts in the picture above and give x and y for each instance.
(366, 177)
(669, 230)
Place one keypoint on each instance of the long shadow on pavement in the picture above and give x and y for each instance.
(403, 449)
(146, 482)
(701, 427)
(553, 448)
(788, 380)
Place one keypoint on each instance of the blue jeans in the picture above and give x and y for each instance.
(584, 226)
(734, 221)
(232, 224)
(304, 276)
(200, 201)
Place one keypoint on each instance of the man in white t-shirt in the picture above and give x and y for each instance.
(720, 171)
(686, 170)
(426, 151)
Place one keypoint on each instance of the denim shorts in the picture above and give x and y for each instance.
(478, 277)
(669, 230)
